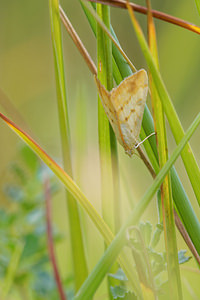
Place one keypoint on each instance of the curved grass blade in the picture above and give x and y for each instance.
(96, 276)
(182, 203)
(156, 14)
(71, 186)
(174, 122)
(76, 239)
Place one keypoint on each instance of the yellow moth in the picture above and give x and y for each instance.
(124, 107)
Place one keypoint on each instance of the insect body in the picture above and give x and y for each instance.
(124, 106)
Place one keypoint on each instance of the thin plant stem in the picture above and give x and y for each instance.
(50, 242)
(98, 273)
(187, 155)
(84, 53)
(156, 14)
(77, 41)
(97, 220)
(186, 237)
(71, 186)
(106, 30)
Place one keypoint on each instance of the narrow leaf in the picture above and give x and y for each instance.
(198, 6)
(96, 276)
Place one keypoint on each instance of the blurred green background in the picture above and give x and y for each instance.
(27, 78)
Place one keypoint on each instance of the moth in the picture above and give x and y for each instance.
(124, 107)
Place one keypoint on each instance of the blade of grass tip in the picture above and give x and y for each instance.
(174, 122)
(198, 5)
(78, 253)
(94, 279)
(77, 194)
(156, 14)
(166, 195)
(52, 256)
(180, 197)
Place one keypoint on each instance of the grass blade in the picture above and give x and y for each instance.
(71, 186)
(198, 6)
(11, 270)
(96, 276)
(181, 200)
(174, 122)
(156, 14)
(108, 155)
(104, 133)
(166, 194)
(78, 254)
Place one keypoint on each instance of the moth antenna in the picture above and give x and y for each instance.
(137, 145)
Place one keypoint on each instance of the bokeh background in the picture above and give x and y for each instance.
(27, 78)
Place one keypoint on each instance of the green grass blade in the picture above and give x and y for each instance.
(96, 276)
(174, 122)
(166, 194)
(113, 142)
(78, 254)
(11, 270)
(107, 140)
(71, 186)
(181, 200)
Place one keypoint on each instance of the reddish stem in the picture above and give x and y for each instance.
(155, 13)
(52, 255)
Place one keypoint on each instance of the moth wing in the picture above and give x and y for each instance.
(129, 100)
(105, 97)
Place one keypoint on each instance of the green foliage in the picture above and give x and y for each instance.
(25, 225)
(148, 261)
(120, 293)
(141, 239)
